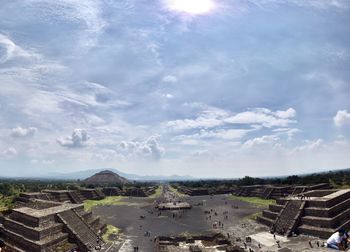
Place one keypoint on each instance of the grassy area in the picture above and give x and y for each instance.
(5, 203)
(157, 193)
(254, 200)
(177, 193)
(111, 200)
(254, 216)
(111, 231)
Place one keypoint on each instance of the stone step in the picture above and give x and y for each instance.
(281, 202)
(13, 248)
(270, 214)
(327, 212)
(79, 228)
(316, 231)
(75, 198)
(34, 246)
(326, 222)
(321, 232)
(287, 219)
(275, 208)
(264, 220)
(33, 233)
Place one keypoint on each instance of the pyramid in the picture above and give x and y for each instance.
(106, 178)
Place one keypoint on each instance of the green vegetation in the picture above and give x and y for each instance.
(13, 187)
(254, 200)
(177, 193)
(65, 247)
(157, 193)
(337, 178)
(254, 216)
(111, 200)
(110, 232)
(6, 202)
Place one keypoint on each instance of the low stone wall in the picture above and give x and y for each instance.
(31, 233)
(275, 208)
(25, 219)
(319, 193)
(112, 191)
(328, 212)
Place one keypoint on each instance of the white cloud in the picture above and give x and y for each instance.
(43, 161)
(318, 4)
(309, 146)
(289, 113)
(342, 118)
(226, 134)
(149, 148)
(214, 117)
(88, 13)
(289, 131)
(264, 117)
(11, 152)
(264, 140)
(168, 96)
(9, 50)
(209, 118)
(23, 132)
(78, 139)
(170, 79)
(201, 153)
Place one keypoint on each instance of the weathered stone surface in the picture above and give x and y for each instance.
(325, 212)
(37, 226)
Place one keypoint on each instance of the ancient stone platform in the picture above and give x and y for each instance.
(43, 225)
(174, 206)
(68, 196)
(318, 213)
(276, 191)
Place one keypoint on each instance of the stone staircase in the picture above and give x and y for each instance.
(289, 217)
(298, 190)
(267, 192)
(93, 194)
(80, 230)
(75, 197)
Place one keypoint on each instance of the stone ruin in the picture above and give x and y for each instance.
(130, 191)
(202, 191)
(275, 191)
(195, 243)
(173, 206)
(317, 213)
(70, 196)
(135, 192)
(45, 221)
(112, 191)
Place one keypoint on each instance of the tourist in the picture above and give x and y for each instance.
(2, 245)
(346, 240)
(336, 239)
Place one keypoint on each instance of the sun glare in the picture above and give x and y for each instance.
(193, 7)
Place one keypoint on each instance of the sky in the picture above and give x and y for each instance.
(208, 88)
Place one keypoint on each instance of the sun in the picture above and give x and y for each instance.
(193, 7)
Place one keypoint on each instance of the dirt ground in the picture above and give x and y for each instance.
(172, 223)
(198, 220)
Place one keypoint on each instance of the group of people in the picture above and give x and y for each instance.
(339, 240)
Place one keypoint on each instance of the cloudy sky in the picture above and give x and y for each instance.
(209, 88)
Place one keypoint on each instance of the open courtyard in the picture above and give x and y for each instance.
(140, 222)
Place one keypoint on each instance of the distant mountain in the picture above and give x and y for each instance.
(106, 177)
(88, 173)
